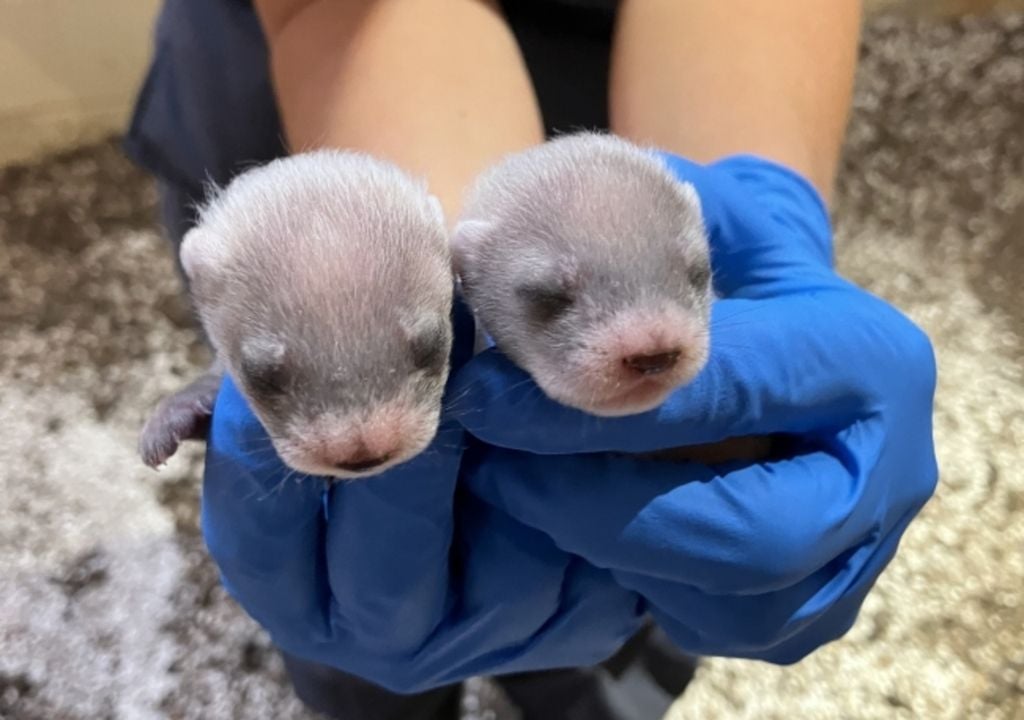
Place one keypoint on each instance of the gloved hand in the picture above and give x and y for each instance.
(411, 583)
(401, 579)
(769, 560)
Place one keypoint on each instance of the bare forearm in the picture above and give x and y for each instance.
(706, 79)
(436, 86)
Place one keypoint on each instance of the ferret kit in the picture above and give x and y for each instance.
(324, 282)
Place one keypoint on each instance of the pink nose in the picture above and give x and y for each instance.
(654, 364)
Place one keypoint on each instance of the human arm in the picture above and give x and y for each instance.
(437, 87)
(707, 79)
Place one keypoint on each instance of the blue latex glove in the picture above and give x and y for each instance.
(766, 561)
(402, 579)
(411, 582)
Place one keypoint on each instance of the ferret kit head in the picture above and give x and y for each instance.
(587, 262)
(324, 282)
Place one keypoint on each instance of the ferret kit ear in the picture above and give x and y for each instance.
(688, 194)
(437, 209)
(693, 211)
(468, 238)
(202, 253)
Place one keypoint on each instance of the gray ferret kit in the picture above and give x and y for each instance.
(323, 281)
(588, 264)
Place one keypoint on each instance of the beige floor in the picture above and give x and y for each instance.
(109, 608)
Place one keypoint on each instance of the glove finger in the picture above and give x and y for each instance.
(544, 606)
(263, 525)
(744, 530)
(776, 366)
(780, 627)
(528, 614)
(767, 225)
(839, 617)
(388, 537)
(388, 541)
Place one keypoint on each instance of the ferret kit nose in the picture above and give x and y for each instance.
(652, 364)
(361, 464)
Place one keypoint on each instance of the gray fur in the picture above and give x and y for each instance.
(317, 277)
(599, 217)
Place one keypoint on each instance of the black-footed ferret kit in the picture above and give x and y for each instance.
(588, 264)
(323, 281)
